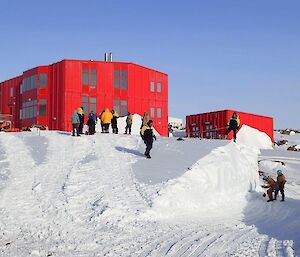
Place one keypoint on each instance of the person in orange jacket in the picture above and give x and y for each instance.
(272, 186)
(106, 120)
(280, 185)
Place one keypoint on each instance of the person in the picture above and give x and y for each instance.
(106, 120)
(233, 124)
(92, 122)
(128, 123)
(81, 119)
(102, 127)
(280, 185)
(272, 186)
(148, 136)
(114, 121)
(75, 123)
(145, 119)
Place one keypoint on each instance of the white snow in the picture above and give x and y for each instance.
(253, 137)
(96, 196)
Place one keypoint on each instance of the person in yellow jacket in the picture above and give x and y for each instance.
(106, 120)
(234, 125)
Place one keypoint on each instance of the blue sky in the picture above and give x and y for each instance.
(242, 55)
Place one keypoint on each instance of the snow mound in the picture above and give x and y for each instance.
(219, 181)
(252, 137)
(135, 128)
(215, 186)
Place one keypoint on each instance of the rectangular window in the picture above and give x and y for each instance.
(116, 79)
(152, 87)
(42, 110)
(123, 107)
(117, 106)
(158, 87)
(152, 112)
(158, 112)
(43, 80)
(11, 92)
(85, 76)
(93, 78)
(124, 80)
(93, 100)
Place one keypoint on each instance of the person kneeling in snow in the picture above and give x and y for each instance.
(147, 135)
(280, 184)
(272, 186)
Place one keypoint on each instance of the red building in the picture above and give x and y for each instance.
(213, 124)
(47, 95)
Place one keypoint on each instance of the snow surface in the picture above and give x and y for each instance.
(80, 196)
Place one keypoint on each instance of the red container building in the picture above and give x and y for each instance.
(47, 95)
(213, 124)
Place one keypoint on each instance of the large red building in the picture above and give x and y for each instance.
(213, 124)
(47, 95)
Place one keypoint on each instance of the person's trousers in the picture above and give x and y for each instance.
(148, 148)
(128, 127)
(234, 132)
(270, 193)
(80, 128)
(281, 192)
(115, 129)
(75, 127)
(106, 127)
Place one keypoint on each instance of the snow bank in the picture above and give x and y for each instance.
(217, 185)
(136, 125)
(252, 137)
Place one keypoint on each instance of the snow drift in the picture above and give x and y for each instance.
(252, 137)
(217, 185)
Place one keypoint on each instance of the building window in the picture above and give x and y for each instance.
(11, 92)
(116, 79)
(93, 78)
(29, 83)
(120, 77)
(43, 80)
(116, 106)
(158, 87)
(28, 110)
(85, 76)
(124, 80)
(152, 112)
(158, 112)
(152, 87)
(89, 104)
(120, 106)
(42, 107)
(123, 107)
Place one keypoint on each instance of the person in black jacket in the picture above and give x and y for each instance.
(114, 121)
(148, 136)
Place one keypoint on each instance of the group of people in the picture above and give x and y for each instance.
(275, 186)
(108, 118)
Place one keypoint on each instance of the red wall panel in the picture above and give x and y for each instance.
(213, 124)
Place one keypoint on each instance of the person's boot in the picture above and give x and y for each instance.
(282, 200)
(148, 156)
(270, 200)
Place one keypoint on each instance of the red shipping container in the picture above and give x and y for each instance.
(213, 124)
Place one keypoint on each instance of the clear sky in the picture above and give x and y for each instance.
(232, 54)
